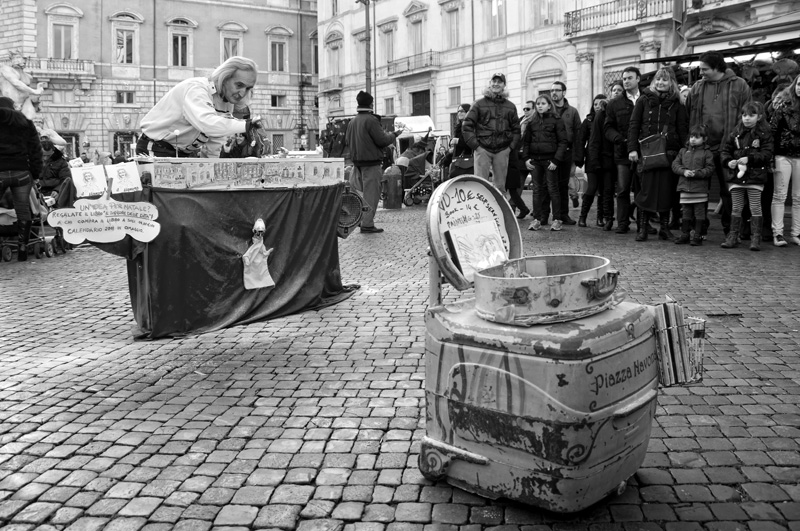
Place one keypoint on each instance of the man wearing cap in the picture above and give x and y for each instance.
(366, 139)
(491, 129)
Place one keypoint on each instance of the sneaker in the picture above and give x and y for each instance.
(535, 225)
(556, 225)
(779, 241)
(795, 239)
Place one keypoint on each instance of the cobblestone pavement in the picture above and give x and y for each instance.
(313, 421)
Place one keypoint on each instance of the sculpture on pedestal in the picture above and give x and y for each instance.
(15, 83)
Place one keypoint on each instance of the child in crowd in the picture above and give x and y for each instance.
(695, 166)
(750, 144)
(544, 147)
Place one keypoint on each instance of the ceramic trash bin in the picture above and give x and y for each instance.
(556, 414)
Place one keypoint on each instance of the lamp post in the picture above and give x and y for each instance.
(367, 44)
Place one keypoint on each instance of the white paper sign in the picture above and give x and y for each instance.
(478, 247)
(125, 178)
(105, 220)
(89, 180)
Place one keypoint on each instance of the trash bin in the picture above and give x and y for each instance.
(555, 413)
(394, 187)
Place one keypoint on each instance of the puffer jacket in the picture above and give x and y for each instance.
(785, 126)
(55, 171)
(651, 114)
(615, 127)
(700, 159)
(20, 148)
(733, 90)
(492, 123)
(545, 139)
(756, 144)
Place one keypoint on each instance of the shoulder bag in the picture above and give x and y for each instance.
(654, 152)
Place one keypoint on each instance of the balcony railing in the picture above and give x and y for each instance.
(328, 84)
(613, 13)
(414, 63)
(39, 65)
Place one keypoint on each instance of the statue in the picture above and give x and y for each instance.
(15, 84)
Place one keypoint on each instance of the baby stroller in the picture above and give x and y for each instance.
(420, 180)
(43, 239)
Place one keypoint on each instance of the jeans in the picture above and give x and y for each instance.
(21, 184)
(367, 180)
(623, 194)
(497, 162)
(545, 180)
(787, 169)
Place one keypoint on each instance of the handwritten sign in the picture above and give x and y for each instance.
(105, 220)
(477, 247)
(89, 180)
(125, 178)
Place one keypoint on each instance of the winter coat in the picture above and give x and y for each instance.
(785, 126)
(615, 127)
(545, 139)
(600, 149)
(572, 122)
(366, 139)
(734, 92)
(492, 123)
(757, 146)
(701, 160)
(651, 114)
(461, 149)
(55, 171)
(20, 148)
(581, 143)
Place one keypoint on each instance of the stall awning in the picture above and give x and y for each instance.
(731, 52)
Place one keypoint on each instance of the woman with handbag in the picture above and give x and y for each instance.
(659, 127)
(462, 154)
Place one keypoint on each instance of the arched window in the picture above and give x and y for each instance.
(125, 29)
(231, 39)
(63, 30)
(278, 46)
(181, 39)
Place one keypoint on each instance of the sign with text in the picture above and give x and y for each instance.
(105, 220)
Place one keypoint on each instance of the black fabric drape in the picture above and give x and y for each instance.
(190, 278)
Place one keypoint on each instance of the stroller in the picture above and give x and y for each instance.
(419, 180)
(44, 240)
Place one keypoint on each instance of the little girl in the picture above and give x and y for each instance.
(750, 145)
(544, 147)
(695, 166)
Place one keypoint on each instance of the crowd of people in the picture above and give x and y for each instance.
(662, 143)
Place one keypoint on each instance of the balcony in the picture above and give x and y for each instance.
(330, 84)
(613, 13)
(45, 69)
(414, 64)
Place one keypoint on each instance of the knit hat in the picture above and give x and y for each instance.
(498, 75)
(364, 99)
(464, 107)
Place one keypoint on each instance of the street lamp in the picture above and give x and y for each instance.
(367, 42)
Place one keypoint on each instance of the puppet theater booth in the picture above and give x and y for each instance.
(189, 278)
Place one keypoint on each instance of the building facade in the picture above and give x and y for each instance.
(107, 62)
(428, 56)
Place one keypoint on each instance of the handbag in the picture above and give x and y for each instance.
(654, 152)
(464, 163)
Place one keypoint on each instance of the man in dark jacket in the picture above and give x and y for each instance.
(56, 179)
(366, 139)
(572, 123)
(491, 130)
(716, 101)
(618, 115)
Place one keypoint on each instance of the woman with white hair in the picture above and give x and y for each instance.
(196, 114)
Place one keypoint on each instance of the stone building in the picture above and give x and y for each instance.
(106, 62)
(427, 56)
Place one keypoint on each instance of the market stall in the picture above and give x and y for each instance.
(190, 277)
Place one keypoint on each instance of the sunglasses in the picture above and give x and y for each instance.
(526, 109)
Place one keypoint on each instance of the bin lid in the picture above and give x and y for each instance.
(471, 227)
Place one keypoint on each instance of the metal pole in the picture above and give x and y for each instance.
(368, 51)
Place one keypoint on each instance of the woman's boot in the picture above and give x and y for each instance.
(664, 233)
(732, 238)
(642, 218)
(24, 236)
(586, 205)
(755, 232)
(697, 239)
(686, 227)
(600, 222)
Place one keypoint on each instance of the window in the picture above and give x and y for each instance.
(360, 51)
(181, 34)
(125, 97)
(544, 13)
(125, 29)
(497, 18)
(63, 97)
(451, 29)
(231, 39)
(277, 144)
(124, 50)
(334, 7)
(387, 42)
(315, 52)
(454, 96)
(388, 106)
(62, 30)
(278, 101)
(417, 46)
(277, 56)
